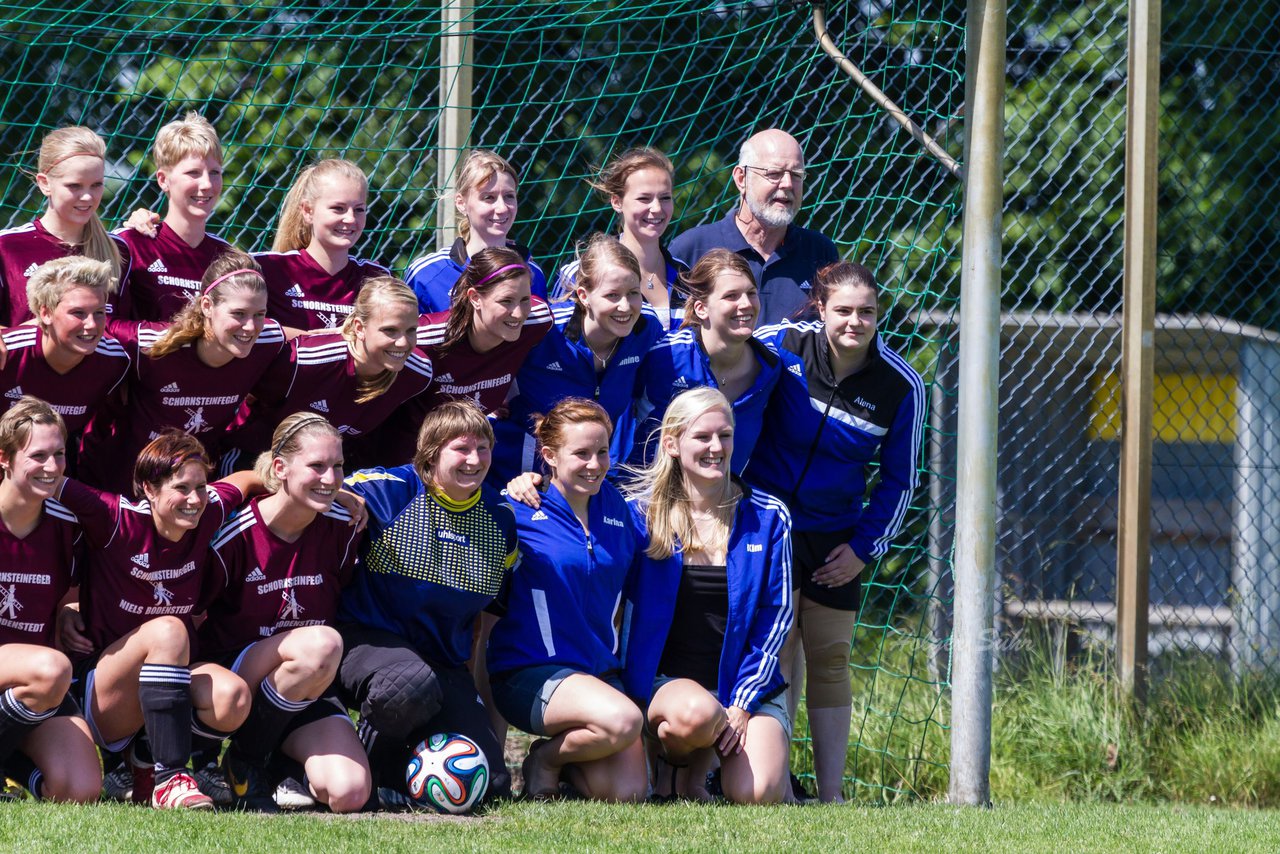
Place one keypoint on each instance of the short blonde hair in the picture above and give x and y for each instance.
(52, 279)
(442, 425)
(189, 136)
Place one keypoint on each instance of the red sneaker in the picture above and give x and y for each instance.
(180, 792)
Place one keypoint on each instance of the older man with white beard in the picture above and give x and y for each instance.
(783, 256)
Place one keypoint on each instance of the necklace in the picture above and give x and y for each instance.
(649, 284)
(604, 360)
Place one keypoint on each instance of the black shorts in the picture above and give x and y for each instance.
(365, 651)
(809, 550)
(327, 705)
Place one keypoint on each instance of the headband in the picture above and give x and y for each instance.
(74, 154)
(500, 271)
(289, 434)
(222, 279)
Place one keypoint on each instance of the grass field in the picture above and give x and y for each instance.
(594, 827)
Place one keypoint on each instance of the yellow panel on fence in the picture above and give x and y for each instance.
(1188, 408)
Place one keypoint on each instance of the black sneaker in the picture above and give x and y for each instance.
(249, 783)
(801, 794)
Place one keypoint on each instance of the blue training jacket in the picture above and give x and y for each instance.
(568, 587)
(433, 276)
(758, 568)
(428, 566)
(819, 438)
(678, 362)
(560, 366)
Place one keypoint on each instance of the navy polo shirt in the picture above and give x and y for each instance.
(784, 279)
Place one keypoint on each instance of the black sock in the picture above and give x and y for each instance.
(164, 691)
(260, 734)
(16, 720)
(206, 742)
(20, 767)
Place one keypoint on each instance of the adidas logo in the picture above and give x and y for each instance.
(295, 291)
(680, 382)
(554, 366)
(804, 286)
(14, 393)
(320, 406)
(538, 516)
(445, 378)
(171, 388)
(27, 272)
(157, 266)
(795, 369)
(256, 575)
(143, 560)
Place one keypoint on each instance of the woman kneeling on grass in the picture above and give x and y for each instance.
(41, 729)
(141, 589)
(439, 552)
(703, 634)
(553, 658)
(280, 565)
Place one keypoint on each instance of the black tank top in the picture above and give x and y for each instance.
(696, 639)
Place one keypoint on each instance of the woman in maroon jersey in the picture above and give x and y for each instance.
(312, 273)
(139, 593)
(354, 378)
(192, 374)
(71, 169)
(65, 360)
(280, 565)
(476, 347)
(38, 538)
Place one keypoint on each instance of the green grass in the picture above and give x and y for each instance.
(594, 827)
(1204, 736)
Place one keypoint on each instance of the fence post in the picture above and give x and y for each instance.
(454, 124)
(978, 404)
(1133, 558)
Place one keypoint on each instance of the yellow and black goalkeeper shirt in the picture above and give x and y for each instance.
(429, 565)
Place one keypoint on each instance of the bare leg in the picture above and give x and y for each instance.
(595, 728)
(335, 762)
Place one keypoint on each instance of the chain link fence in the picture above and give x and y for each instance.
(1215, 589)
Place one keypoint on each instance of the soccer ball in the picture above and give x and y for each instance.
(447, 773)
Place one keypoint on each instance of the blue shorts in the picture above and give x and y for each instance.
(775, 707)
(522, 695)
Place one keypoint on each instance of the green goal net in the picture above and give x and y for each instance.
(556, 87)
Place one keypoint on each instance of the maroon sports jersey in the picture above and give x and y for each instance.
(177, 390)
(165, 271)
(133, 574)
(35, 573)
(318, 374)
(258, 585)
(458, 372)
(76, 394)
(300, 294)
(26, 247)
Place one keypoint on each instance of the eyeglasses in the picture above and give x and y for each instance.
(775, 176)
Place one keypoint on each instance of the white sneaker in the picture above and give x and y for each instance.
(180, 792)
(291, 794)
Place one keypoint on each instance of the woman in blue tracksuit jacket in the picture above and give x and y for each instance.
(553, 658)
(714, 347)
(703, 632)
(593, 351)
(855, 402)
